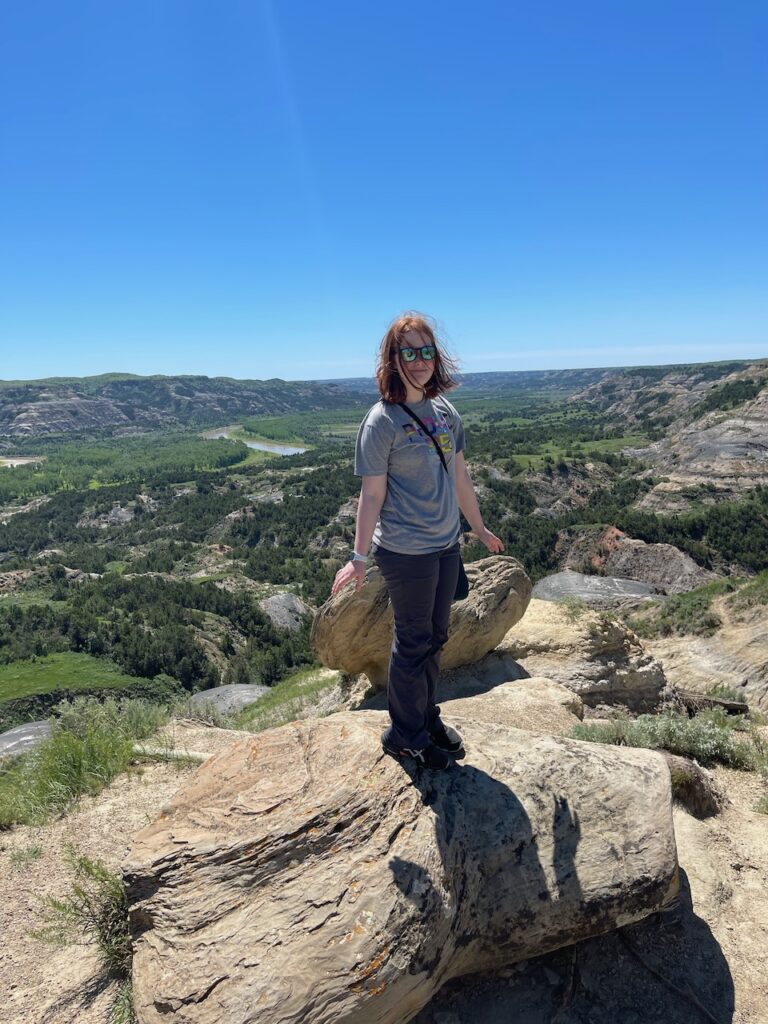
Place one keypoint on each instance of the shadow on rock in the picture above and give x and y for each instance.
(493, 885)
(668, 968)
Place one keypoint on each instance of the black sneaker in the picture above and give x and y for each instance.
(446, 738)
(428, 757)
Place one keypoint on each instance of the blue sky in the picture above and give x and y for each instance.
(254, 189)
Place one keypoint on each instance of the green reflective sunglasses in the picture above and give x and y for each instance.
(427, 353)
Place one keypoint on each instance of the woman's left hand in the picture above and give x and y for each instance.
(491, 541)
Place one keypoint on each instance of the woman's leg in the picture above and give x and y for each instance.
(448, 574)
(412, 582)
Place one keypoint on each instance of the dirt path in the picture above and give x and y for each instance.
(718, 946)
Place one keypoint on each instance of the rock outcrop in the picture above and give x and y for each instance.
(557, 493)
(353, 631)
(597, 591)
(535, 704)
(717, 457)
(611, 552)
(657, 393)
(286, 611)
(230, 698)
(302, 876)
(736, 656)
(596, 657)
(130, 404)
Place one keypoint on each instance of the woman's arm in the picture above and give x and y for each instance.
(465, 493)
(372, 495)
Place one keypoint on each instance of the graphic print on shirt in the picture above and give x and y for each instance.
(437, 427)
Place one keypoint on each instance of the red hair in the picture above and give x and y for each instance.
(388, 377)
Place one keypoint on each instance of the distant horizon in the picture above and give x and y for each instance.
(56, 378)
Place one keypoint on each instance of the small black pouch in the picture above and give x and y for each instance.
(462, 583)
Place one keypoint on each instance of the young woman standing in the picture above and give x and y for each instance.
(409, 454)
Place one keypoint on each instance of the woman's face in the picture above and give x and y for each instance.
(419, 372)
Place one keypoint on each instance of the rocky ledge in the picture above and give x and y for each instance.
(303, 876)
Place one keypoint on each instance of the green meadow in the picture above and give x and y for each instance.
(68, 670)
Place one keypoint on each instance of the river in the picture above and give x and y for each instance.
(276, 449)
(17, 461)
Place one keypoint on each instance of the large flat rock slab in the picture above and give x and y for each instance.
(23, 738)
(302, 876)
(592, 589)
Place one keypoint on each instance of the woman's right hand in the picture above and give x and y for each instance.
(351, 572)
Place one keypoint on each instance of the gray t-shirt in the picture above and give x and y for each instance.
(420, 511)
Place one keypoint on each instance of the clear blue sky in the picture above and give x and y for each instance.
(254, 188)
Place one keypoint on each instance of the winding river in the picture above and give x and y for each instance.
(276, 449)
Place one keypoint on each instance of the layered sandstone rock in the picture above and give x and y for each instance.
(596, 657)
(353, 631)
(536, 704)
(736, 656)
(302, 876)
(713, 458)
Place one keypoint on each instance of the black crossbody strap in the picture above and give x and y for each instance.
(431, 437)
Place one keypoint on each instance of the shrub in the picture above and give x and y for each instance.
(206, 712)
(122, 1008)
(685, 614)
(574, 607)
(132, 718)
(20, 858)
(96, 908)
(91, 742)
(706, 737)
(287, 700)
(725, 692)
(755, 592)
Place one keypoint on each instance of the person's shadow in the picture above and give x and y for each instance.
(502, 885)
(505, 890)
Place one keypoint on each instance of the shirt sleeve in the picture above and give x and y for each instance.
(374, 444)
(456, 426)
(458, 433)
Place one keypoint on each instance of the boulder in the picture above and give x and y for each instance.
(353, 630)
(23, 738)
(591, 654)
(230, 698)
(286, 611)
(612, 553)
(303, 876)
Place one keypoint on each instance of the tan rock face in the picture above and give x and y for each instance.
(302, 876)
(536, 704)
(735, 656)
(353, 631)
(596, 657)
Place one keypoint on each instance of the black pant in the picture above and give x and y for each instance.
(421, 589)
